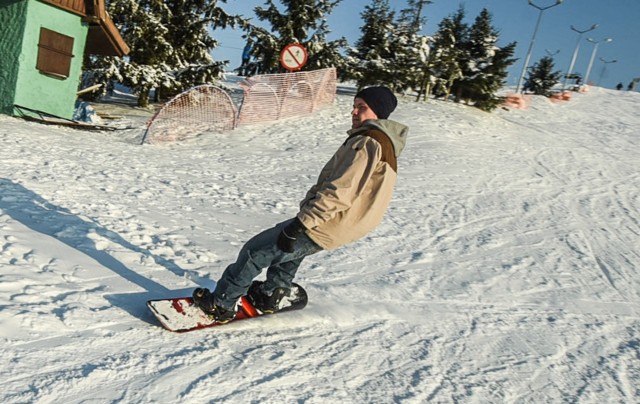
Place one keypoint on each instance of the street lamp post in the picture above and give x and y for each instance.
(575, 52)
(533, 39)
(593, 55)
(604, 67)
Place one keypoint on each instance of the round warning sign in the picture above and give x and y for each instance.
(293, 57)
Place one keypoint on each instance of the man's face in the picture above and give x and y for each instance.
(360, 113)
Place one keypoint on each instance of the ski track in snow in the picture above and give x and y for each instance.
(506, 269)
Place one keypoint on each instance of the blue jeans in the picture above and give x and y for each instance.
(258, 253)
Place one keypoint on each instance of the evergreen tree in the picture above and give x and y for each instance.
(448, 53)
(497, 73)
(484, 68)
(541, 77)
(302, 22)
(412, 15)
(410, 49)
(170, 45)
(324, 54)
(466, 61)
(371, 61)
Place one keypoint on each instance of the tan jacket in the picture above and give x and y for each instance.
(354, 188)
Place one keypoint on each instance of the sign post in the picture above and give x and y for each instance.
(293, 57)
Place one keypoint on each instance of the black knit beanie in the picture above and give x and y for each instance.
(380, 99)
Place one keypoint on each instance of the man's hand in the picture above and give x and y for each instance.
(289, 235)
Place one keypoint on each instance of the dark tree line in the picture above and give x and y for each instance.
(171, 43)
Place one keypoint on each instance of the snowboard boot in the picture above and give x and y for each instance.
(203, 299)
(267, 304)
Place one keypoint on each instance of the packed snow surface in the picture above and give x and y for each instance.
(507, 268)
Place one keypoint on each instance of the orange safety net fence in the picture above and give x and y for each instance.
(516, 101)
(198, 110)
(271, 97)
(265, 98)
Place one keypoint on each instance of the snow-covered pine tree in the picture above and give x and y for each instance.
(447, 53)
(324, 54)
(412, 15)
(140, 24)
(302, 22)
(484, 66)
(170, 45)
(541, 77)
(371, 60)
(189, 24)
(497, 73)
(410, 49)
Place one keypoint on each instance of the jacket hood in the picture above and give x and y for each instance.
(396, 131)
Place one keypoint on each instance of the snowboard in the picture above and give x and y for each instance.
(181, 314)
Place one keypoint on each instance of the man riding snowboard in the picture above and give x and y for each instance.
(348, 201)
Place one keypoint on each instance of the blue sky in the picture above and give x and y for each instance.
(515, 19)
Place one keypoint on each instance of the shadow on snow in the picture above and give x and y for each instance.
(40, 215)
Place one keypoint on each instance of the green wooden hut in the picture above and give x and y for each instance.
(42, 45)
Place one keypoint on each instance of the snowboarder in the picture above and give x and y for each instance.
(349, 200)
(246, 58)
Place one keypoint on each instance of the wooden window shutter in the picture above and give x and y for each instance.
(55, 52)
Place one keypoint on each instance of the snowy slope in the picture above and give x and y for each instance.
(506, 270)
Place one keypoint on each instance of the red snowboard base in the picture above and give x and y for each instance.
(181, 315)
